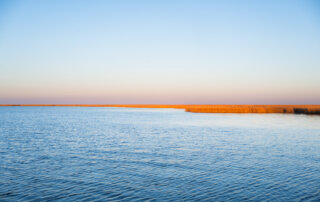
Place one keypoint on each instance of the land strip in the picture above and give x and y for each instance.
(287, 109)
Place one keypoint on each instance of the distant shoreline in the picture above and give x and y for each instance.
(287, 109)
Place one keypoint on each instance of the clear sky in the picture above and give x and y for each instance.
(160, 51)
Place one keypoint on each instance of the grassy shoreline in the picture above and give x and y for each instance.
(287, 109)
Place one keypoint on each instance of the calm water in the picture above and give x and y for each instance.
(69, 153)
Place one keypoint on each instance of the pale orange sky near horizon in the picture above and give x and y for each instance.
(160, 52)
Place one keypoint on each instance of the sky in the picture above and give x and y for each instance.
(160, 52)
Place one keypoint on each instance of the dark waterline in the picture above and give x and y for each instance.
(74, 154)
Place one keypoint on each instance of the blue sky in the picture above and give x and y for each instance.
(188, 52)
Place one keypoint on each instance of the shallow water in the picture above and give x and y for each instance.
(79, 153)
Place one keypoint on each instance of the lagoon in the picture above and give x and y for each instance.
(126, 154)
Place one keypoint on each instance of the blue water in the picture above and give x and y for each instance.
(103, 154)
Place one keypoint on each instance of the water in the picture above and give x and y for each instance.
(103, 154)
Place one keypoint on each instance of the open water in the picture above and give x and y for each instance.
(126, 154)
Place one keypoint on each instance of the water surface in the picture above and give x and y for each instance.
(83, 153)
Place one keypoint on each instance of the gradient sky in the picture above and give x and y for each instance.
(165, 51)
